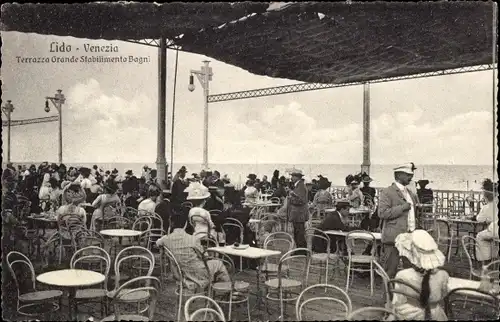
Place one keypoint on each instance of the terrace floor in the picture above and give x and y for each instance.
(166, 309)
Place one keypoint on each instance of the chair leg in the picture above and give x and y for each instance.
(248, 309)
(371, 278)
(348, 275)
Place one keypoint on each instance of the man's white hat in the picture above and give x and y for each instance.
(406, 168)
(196, 191)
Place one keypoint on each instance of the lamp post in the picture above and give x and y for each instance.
(58, 100)
(7, 109)
(204, 77)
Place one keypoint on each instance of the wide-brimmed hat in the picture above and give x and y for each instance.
(406, 168)
(296, 173)
(74, 194)
(420, 249)
(366, 178)
(423, 182)
(197, 191)
(252, 176)
(129, 172)
(115, 171)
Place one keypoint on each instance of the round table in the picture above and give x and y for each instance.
(120, 233)
(71, 279)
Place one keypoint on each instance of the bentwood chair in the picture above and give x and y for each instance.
(279, 241)
(486, 306)
(181, 291)
(469, 246)
(324, 259)
(88, 258)
(373, 313)
(335, 299)
(238, 290)
(32, 303)
(135, 288)
(207, 311)
(385, 280)
(287, 286)
(357, 241)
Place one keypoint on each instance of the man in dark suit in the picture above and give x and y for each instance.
(298, 213)
(334, 220)
(397, 206)
(179, 185)
(216, 181)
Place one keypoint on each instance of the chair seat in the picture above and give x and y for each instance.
(40, 296)
(91, 293)
(285, 283)
(226, 286)
(132, 297)
(365, 259)
(126, 317)
(322, 257)
(272, 268)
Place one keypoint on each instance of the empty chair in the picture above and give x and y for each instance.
(238, 290)
(356, 243)
(385, 280)
(469, 247)
(31, 303)
(219, 314)
(279, 241)
(135, 288)
(97, 259)
(485, 306)
(287, 286)
(323, 258)
(373, 313)
(339, 303)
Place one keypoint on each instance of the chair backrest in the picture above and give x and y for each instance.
(313, 234)
(149, 237)
(187, 308)
(187, 204)
(130, 213)
(295, 264)
(208, 315)
(208, 241)
(215, 212)
(231, 224)
(339, 300)
(486, 302)
(357, 240)
(174, 264)
(142, 223)
(134, 254)
(275, 200)
(372, 313)
(469, 243)
(117, 222)
(385, 279)
(141, 284)
(87, 237)
(156, 220)
(16, 258)
(407, 290)
(91, 255)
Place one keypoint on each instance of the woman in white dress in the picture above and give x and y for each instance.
(251, 193)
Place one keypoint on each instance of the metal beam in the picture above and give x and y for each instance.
(31, 121)
(305, 87)
(152, 42)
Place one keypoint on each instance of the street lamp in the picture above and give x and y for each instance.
(58, 100)
(7, 109)
(204, 77)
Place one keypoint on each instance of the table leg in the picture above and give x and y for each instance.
(71, 303)
(458, 239)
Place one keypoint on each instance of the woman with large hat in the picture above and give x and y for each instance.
(107, 199)
(486, 248)
(425, 274)
(72, 196)
(323, 199)
(199, 217)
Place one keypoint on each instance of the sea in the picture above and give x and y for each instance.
(442, 177)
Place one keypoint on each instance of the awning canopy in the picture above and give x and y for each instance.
(318, 42)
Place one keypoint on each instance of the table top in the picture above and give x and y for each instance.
(250, 252)
(71, 278)
(359, 211)
(253, 220)
(461, 221)
(85, 204)
(48, 219)
(378, 236)
(259, 204)
(120, 232)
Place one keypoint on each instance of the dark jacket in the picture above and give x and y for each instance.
(178, 194)
(332, 221)
(390, 210)
(297, 203)
(164, 209)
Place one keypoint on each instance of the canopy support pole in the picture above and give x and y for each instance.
(365, 166)
(161, 161)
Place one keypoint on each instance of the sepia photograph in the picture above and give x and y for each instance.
(250, 161)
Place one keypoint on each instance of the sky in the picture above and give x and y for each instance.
(110, 113)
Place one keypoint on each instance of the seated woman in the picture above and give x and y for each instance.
(149, 204)
(486, 247)
(73, 195)
(202, 222)
(251, 193)
(487, 212)
(108, 198)
(425, 275)
(354, 194)
(55, 192)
